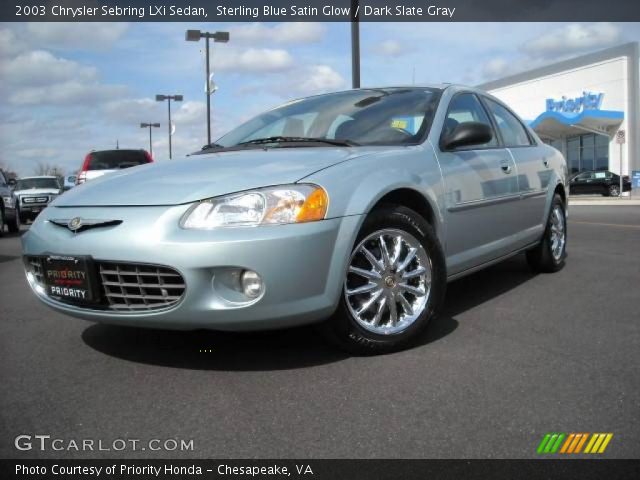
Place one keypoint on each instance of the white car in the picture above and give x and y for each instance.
(33, 194)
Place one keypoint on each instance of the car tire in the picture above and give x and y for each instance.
(401, 274)
(614, 191)
(14, 225)
(548, 256)
(1, 220)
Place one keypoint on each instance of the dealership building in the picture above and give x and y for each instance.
(583, 106)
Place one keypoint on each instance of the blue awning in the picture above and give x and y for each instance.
(557, 124)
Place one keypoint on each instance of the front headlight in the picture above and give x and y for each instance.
(266, 206)
(8, 201)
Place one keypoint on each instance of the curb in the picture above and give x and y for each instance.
(605, 202)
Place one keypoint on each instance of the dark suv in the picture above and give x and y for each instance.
(602, 182)
(8, 206)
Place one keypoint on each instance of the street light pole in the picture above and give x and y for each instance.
(195, 36)
(355, 46)
(150, 125)
(208, 94)
(161, 98)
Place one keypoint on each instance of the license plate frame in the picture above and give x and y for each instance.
(70, 278)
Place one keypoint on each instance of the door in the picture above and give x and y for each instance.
(481, 192)
(580, 183)
(534, 170)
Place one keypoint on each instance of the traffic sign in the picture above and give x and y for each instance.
(621, 137)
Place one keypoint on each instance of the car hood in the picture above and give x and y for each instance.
(38, 191)
(203, 176)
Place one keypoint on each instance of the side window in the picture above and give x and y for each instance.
(466, 107)
(513, 133)
(3, 182)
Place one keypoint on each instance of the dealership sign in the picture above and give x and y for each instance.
(588, 101)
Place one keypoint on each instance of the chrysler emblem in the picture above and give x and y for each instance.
(75, 224)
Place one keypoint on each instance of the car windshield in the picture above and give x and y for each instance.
(115, 159)
(391, 116)
(29, 183)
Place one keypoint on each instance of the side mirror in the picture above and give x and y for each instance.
(467, 134)
(12, 182)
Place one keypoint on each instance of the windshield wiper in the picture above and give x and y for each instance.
(213, 145)
(282, 139)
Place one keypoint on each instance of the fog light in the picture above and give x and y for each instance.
(252, 285)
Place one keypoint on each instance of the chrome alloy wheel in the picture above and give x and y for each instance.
(388, 281)
(558, 235)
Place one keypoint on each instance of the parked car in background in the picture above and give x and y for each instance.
(102, 162)
(69, 182)
(353, 209)
(599, 183)
(8, 205)
(33, 194)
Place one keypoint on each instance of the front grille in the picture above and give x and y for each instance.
(128, 286)
(137, 286)
(35, 199)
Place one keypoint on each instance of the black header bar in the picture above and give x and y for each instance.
(320, 469)
(320, 10)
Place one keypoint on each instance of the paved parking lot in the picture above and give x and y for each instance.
(514, 356)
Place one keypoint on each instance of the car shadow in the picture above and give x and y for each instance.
(293, 348)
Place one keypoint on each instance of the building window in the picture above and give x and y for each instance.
(602, 152)
(573, 154)
(588, 152)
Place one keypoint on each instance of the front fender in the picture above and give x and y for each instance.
(356, 186)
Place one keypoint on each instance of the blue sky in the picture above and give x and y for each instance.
(68, 88)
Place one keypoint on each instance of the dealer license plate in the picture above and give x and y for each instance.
(69, 278)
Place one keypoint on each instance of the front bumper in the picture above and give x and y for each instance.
(32, 209)
(302, 265)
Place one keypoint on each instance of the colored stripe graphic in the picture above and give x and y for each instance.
(581, 443)
(551, 443)
(572, 443)
(598, 443)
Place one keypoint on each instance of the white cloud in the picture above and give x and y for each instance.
(67, 93)
(312, 80)
(573, 38)
(133, 110)
(38, 68)
(283, 33)
(190, 114)
(253, 60)
(390, 48)
(39, 77)
(76, 36)
(496, 67)
(9, 43)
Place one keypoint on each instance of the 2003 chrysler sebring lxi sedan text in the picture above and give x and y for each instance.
(352, 209)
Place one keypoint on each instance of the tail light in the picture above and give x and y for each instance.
(148, 156)
(82, 174)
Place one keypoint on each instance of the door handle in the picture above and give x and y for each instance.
(506, 168)
(546, 162)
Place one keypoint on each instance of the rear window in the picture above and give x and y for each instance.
(115, 159)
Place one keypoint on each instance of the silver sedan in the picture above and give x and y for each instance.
(351, 210)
